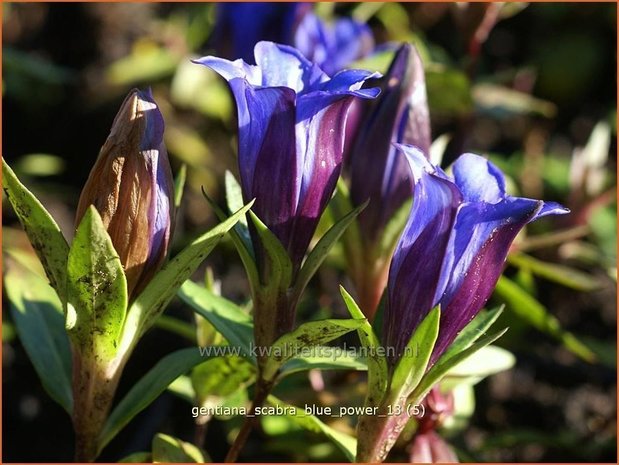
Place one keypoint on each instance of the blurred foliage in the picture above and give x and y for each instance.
(538, 96)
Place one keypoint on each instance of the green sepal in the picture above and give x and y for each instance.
(377, 363)
(413, 363)
(96, 290)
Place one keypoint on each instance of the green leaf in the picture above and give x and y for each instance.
(413, 363)
(347, 444)
(234, 195)
(530, 310)
(483, 363)
(43, 232)
(221, 377)
(164, 285)
(168, 449)
(279, 266)
(473, 331)
(322, 248)
(148, 388)
(179, 185)
(377, 363)
(39, 320)
(176, 326)
(306, 338)
(241, 241)
(96, 289)
(329, 358)
(444, 364)
(449, 92)
(564, 275)
(229, 319)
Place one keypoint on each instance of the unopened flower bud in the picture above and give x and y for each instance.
(131, 186)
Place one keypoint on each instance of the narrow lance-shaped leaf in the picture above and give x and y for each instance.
(227, 318)
(148, 388)
(96, 289)
(43, 232)
(162, 288)
(322, 248)
(413, 363)
(39, 320)
(377, 364)
(307, 336)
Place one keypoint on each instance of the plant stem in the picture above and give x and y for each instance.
(93, 392)
(263, 389)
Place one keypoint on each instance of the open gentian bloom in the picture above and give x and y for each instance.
(132, 188)
(454, 246)
(333, 46)
(291, 118)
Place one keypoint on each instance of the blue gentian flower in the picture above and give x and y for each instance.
(453, 248)
(333, 46)
(291, 118)
(240, 25)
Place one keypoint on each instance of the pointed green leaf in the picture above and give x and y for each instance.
(148, 388)
(325, 358)
(485, 362)
(176, 326)
(168, 449)
(43, 232)
(96, 289)
(229, 319)
(412, 365)
(242, 242)
(530, 310)
(377, 363)
(305, 339)
(322, 248)
(347, 444)
(564, 275)
(474, 330)
(179, 185)
(162, 288)
(234, 196)
(221, 377)
(444, 364)
(39, 321)
(137, 457)
(279, 266)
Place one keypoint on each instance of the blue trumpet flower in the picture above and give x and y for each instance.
(333, 46)
(291, 118)
(454, 246)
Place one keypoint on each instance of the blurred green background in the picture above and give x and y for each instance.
(539, 98)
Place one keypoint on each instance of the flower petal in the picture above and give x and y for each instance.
(478, 179)
(417, 260)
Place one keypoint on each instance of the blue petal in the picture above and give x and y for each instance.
(416, 263)
(282, 65)
(478, 179)
(229, 70)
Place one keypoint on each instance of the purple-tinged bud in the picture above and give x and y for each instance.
(399, 115)
(377, 172)
(131, 186)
